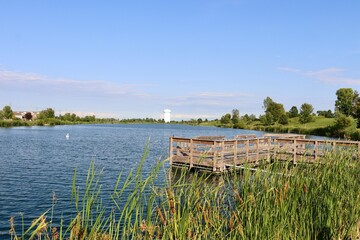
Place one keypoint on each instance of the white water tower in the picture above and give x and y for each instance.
(167, 115)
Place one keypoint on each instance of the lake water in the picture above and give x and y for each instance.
(35, 162)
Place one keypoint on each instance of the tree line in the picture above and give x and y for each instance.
(48, 117)
(43, 117)
(346, 115)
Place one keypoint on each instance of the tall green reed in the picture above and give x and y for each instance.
(278, 201)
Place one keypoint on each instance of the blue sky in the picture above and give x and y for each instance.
(128, 59)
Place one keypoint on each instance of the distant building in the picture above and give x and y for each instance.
(167, 115)
(18, 115)
(21, 115)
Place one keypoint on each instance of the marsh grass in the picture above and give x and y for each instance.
(279, 201)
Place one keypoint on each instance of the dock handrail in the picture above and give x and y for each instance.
(217, 154)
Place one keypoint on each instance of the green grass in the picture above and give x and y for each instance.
(321, 126)
(212, 123)
(283, 201)
(318, 123)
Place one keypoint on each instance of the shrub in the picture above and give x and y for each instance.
(355, 135)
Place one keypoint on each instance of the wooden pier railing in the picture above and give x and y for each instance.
(218, 154)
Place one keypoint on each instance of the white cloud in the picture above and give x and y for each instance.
(126, 100)
(212, 99)
(327, 75)
(34, 80)
(193, 116)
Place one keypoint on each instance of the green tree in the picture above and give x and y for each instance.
(226, 119)
(326, 114)
(267, 102)
(284, 119)
(293, 112)
(241, 124)
(306, 112)
(246, 118)
(46, 114)
(356, 114)
(235, 116)
(342, 122)
(71, 117)
(274, 109)
(345, 100)
(267, 119)
(356, 108)
(1, 115)
(252, 117)
(199, 121)
(7, 112)
(192, 122)
(91, 118)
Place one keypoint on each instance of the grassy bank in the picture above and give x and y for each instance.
(313, 201)
(321, 126)
(21, 123)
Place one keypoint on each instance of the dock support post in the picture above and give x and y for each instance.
(316, 150)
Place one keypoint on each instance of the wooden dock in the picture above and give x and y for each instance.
(217, 154)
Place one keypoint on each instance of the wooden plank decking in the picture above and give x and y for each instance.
(217, 154)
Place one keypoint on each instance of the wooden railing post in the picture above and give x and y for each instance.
(269, 149)
(235, 151)
(222, 163)
(294, 152)
(257, 150)
(171, 151)
(215, 156)
(247, 150)
(191, 153)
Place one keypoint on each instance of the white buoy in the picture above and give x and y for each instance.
(67, 136)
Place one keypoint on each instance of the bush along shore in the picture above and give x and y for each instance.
(278, 201)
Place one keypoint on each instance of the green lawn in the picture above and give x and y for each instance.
(320, 126)
(318, 123)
